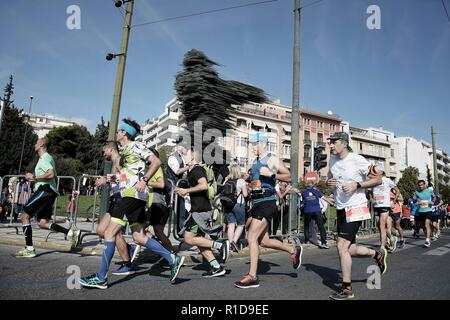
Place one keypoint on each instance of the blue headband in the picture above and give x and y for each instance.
(128, 129)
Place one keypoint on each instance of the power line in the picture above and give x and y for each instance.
(445, 8)
(204, 12)
(311, 4)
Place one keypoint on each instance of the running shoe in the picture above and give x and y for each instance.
(342, 294)
(393, 244)
(225, 250)
(296, 257)
(25, 253)
(75, 238)
(94, 281)
(401, 243)
(176, 268)
(124, 270)
(427, 243)
(234, 247)
(247, 282)
(382, 260)
(214, 272)
(323, 245)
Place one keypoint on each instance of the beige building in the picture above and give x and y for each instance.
(273, 119)
(42, 123)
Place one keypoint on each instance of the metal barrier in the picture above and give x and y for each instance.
(10, 224)
(55, 205)
(92, 231)
(175, 213)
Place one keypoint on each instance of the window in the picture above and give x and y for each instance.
(360, 147)
(272, 147)
(286, 149)
(307, 153)
(241, 142)
(242, 161)
(319, 137)
(320, 124)
(307, 135)
(392, 153)
(241, 123)
(306, 121)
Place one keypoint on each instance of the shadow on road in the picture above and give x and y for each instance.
(330, 277)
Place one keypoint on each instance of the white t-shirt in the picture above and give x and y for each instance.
(382, 193)
(173, 163)
(353, 168)
(240, 184)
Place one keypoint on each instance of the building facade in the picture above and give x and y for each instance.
(376, 145)
(273, 119)
(42, 123)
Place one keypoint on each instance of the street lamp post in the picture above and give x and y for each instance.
(24, 136)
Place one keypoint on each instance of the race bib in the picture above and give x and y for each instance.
(424, 204)
(358, 213)
(379, 199)
(256, 184)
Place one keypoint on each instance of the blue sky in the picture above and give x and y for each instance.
(397, 77)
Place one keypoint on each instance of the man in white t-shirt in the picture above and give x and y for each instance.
(349, 175)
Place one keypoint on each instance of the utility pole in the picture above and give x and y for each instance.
(295, 116)
(436, 181)
(115, 111)
(120, 72)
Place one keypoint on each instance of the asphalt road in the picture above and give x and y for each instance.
(414, 272)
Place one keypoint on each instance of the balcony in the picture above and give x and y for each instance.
(321, 144)
(307, 142)
(286, 156)
(167, 132)
(307, 159)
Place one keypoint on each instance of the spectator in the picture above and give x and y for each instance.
(71, 206)
(236, 215)
(311, 207)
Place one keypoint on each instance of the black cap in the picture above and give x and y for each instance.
(339, 136)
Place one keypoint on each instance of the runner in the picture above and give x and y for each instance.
(41, 203)
(126, 251)
(436, 217)
(395, 217)
(158, 211)
(382, 204)
(134, 192)
(199, 221)
(266, 169)
(348, 176)
(424, 198)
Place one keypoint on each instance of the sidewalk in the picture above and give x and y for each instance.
(13, 235)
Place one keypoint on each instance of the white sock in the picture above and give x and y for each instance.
(31, 248)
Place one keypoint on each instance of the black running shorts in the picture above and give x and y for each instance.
(424, 215)
(158, 213)
(380, 210)
(41, 203)
(113, 201)
(395, 216)
(346, 230)
(266, 209)
(132, 208)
